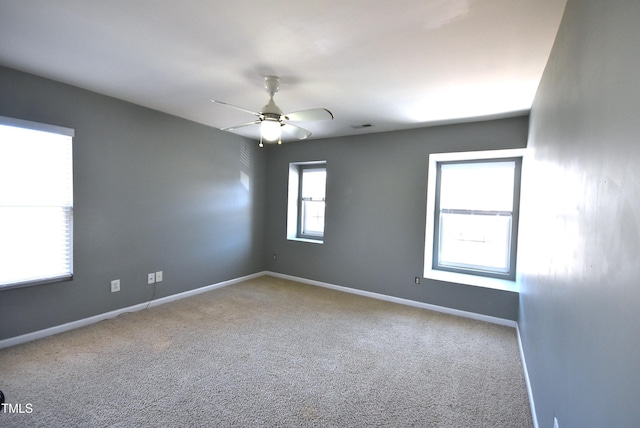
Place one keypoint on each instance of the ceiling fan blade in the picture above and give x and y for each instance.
(311, 114)
(235, 107)
(231, 128)
(295, 131)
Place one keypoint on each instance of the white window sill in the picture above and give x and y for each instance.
(477, 281)
(311, 241)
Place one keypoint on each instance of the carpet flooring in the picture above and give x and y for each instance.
(269, 352)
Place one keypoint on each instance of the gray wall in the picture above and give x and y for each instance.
(375, 215)
(580, 236)
(152, 192)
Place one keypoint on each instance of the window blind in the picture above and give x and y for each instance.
(36, 202)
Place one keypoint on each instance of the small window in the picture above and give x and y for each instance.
(307, 192)
(473, 218)
(36, 203)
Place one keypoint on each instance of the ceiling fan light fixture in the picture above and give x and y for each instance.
(270, 130)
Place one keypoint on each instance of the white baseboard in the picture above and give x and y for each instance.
(526, 378)
(436, 308)
(101, 317)
(97, 318)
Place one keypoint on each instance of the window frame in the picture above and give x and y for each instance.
(469, 276)
(509, 273)
(301, 232)
(67, 208)
(295, 212)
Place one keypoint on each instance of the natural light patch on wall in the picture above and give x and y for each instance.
(245, 162)
(556, 220)
(244, 180)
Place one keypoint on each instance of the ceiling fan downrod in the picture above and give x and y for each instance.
(272, 85)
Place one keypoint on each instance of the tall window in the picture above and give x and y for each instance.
(474, 217)
(307, 192)
(36, 203)
(312, 194)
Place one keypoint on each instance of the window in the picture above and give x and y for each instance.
(36, 202)
(472, 218)
(307, 191)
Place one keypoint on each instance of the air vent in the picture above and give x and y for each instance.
(364, 125)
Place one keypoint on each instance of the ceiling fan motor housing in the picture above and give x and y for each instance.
(271, 110)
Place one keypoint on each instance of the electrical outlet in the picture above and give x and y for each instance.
(115, 285)
(159, 276)
(151, 278)
(417, 280)
(555, 422)
(275, 256)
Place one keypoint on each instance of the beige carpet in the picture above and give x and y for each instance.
(271, 352)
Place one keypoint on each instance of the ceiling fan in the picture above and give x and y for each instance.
(273, 123)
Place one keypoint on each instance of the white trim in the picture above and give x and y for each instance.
(474, 280)
(310, 241)
(526, 378)
(12, 341)
(37, 126)
(407, 302)
(97, 318)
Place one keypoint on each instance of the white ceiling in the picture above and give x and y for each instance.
(394, 65)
